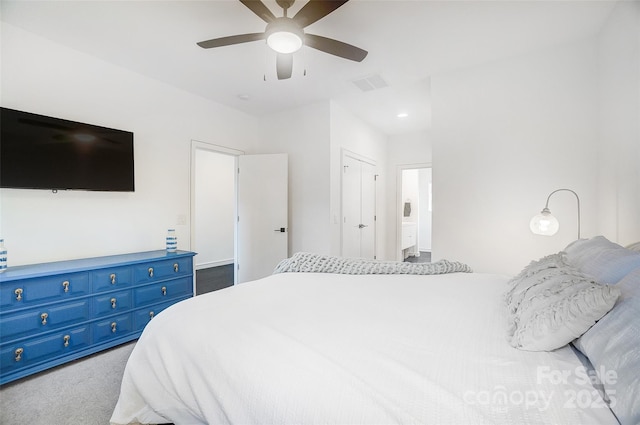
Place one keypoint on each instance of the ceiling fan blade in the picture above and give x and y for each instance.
(259, 9)
(233, 39)
(335, 47)
(284, 65)
(315, 10)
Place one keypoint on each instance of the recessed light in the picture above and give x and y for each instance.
(402, 115)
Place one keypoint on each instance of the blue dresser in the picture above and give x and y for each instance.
(53, 313)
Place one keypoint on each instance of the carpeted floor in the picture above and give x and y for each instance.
(83, 392)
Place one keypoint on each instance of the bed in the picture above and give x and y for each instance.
(317, 347)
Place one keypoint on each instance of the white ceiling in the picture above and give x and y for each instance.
(407, 41)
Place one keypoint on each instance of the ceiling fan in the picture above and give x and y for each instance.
(286, 35)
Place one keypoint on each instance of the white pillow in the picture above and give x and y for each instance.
(606, 261)
(634, 246)
(550, 304)
(613, 347)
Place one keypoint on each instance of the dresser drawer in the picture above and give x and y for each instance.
(144, 316)
(165, 269)
(38, 290)
(43, 319)
(113, 302)
(53, 313)
(26, 353)
(163, 291)
(112, 328)
(108, 279)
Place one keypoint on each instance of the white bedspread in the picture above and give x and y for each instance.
(307, 348)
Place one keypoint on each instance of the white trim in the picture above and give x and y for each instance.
(346, 152)
(214, 264)
(195, 146)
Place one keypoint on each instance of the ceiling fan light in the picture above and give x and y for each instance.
(284, 42)
(284, 35)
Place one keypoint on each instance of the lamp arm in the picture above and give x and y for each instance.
(577, 199)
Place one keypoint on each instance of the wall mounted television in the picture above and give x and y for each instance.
(40, 152)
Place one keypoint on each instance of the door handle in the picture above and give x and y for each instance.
(281, 230)
(361, 226)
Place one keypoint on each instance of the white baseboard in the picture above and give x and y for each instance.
(210, 264)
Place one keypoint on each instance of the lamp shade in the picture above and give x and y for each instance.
(544, 223)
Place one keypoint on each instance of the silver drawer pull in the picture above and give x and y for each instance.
(66, 340)
(150, 271)
(164, 290)
(175, 267)
(44, 317)
(18, 293)
(18, 353)
(114, 325)
(151, 315)
(65, 285)
(113, 303)
(112, 276)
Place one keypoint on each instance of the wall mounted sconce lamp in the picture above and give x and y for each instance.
(545, 223)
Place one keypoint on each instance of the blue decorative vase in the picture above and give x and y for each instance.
(172, 241)
(3, 256)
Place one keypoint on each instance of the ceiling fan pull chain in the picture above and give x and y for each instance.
(265, 57)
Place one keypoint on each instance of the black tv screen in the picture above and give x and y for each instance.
(40, 152)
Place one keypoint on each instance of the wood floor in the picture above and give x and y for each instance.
(214, 278)
(425, 257)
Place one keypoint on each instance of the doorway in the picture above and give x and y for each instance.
(414, 217)
(239, 214)
(213, 211)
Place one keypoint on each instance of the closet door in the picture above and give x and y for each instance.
(358, 208)
(350, 207)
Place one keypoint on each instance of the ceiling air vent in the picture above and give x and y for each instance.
(372, 82)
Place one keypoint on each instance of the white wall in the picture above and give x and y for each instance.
(411, 194)
(505, 135)
(619, 133)
(303, 133)
(351, 133)
(44, 77)
(214, 208)
(47, 78)
(424, 231)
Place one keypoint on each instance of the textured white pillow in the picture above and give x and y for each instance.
(613, 347)
(606, 261)
(551, 303)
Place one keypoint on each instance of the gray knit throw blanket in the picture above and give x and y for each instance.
(302, 262)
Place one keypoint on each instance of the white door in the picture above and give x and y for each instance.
(368, 211)
(262, 226)
(350, 207)
(358, 208)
